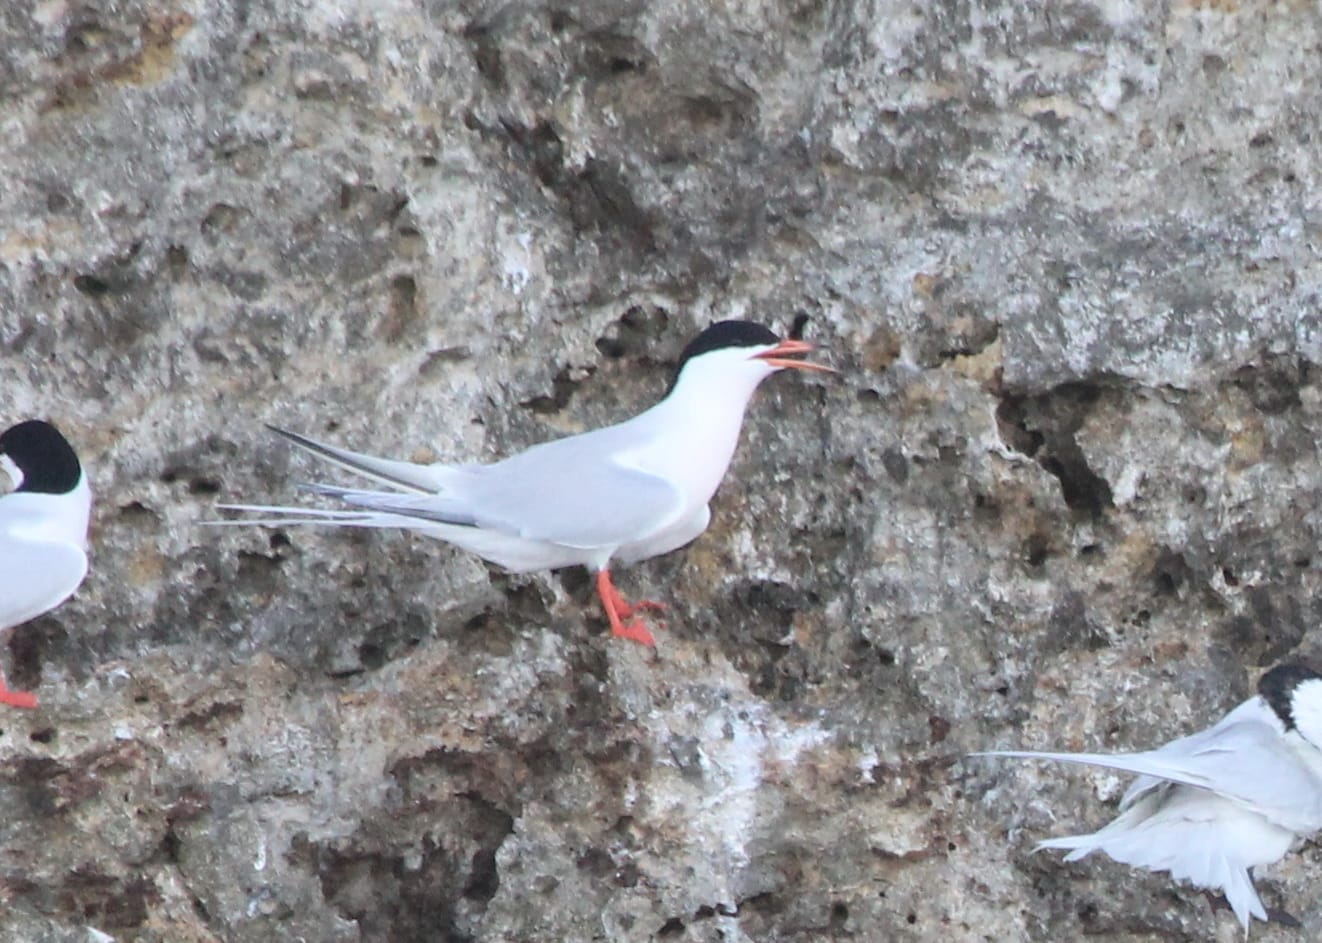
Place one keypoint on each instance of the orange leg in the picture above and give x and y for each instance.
(15, 698)
(618, 610)
(622, 605)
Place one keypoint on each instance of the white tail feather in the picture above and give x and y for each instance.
(289, 516)
(1143, 764)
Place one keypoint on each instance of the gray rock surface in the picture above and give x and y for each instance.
(1064, 492)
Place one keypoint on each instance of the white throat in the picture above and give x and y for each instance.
(1306, 708)
(13, 471)
(696, 427)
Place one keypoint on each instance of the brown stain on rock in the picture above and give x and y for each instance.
(155, 60)
(94, 56)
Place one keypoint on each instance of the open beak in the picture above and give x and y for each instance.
(777, 355)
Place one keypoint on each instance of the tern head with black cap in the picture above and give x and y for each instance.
(43, 529)
(39, 459)
(738, 355)
(1294, 693)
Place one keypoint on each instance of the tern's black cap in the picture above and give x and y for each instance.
(724, 334)
(45, 457)
(1277, 688)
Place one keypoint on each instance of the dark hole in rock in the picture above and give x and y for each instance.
(203, 486)
(91, 285)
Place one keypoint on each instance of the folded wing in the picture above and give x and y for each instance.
(574, 492)
(1247, 761)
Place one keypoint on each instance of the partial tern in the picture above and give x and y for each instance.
(43, 529)
(1211, 806)
(622, 493)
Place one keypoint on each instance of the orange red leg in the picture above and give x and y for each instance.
(618, 610)
(15, 698)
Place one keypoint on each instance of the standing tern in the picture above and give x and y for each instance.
(1209, 807)
(43, 529)
(623, 493)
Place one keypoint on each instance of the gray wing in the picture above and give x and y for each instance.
(1246, 761)
(1252, 711)
(1258, 766)
(36, 577)
(572, 492)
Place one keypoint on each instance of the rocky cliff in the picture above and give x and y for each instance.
(1063, 493)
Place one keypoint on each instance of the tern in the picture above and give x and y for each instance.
(1209, 807)
(43, 529)
(622, 493)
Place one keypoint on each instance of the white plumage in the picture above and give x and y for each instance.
(1210, 807)
(624, 493)
(43, 529)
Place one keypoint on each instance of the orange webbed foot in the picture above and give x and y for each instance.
(618, 610)
(642, 605)
(635, 631)
(23, 699)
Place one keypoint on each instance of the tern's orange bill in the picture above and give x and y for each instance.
(777, 355)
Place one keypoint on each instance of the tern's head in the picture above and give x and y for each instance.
(1294, 692)
(38, 459)
(739, 355)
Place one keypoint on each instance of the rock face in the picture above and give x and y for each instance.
(1064, 493)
